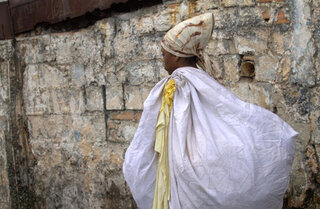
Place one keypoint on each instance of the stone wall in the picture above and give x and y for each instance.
(5, 54)
(71, 101)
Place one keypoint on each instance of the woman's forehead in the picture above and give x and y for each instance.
(164, 52)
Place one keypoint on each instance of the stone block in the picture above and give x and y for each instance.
(127, 46)
(248, 41)
(315, 98)
(174, 12)
(94, 98)
(4, 71)
(258, 94)
(67, 129)
(45, 127)
(225, 19)
(85, 172)
(58, 102)
(83, 47)
(121, 130)
(36, 49)
(108, 31)
(298, 180)
(78, 75)
(231, 64)
(231, 18)
(125, 115)
(95, 76)
(152, 47)
(135, 96)
(36, 101)
(61, 184)
(303, 47)
(117, 184)
(220, 47)
(218, 69)
(298, 102)
(281, 42)
(112, 75)
(114, 97)
(6, 50)
(107, 27)
(4, 88)
(269, 1)
(315, 117)
(115, 73)
(62, 45)
(53, 101)
(206, 5)
(266, 67)
(75, 101)
(126, 28)
(221, 43)
(162, 21)
(222, 34)
(231, 3)
(145, 25)
(303, 71)
(251, 16)
(317, 66)
(4, 181)
(281, 18)
(3, 204)
(316, 137)
(90, 128)
(304, 134)
(285, 67)
(141, 73)
(188, 9)
(114, 157)
(44, 76)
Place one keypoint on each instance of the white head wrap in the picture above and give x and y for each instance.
(189, 38)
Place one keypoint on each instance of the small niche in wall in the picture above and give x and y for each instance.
(247, 68)
(266, 16)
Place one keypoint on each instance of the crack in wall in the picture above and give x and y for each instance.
(104, 99)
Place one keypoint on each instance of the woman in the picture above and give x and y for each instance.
(198, 146)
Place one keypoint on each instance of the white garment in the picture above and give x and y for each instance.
(223, 153)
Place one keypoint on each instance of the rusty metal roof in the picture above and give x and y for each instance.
(23, 15)
(5, 22)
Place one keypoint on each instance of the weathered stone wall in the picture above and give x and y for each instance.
(75, 98)
(5, 54)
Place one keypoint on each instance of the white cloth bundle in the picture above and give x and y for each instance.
(223, 153)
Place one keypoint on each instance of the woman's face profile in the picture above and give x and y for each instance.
(169, 61)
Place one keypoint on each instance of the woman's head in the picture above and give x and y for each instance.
(172, 62)
(183, 44)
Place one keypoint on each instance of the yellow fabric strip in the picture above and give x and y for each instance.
(162, 188)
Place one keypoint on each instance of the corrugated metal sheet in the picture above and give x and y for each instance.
(23, 15)
(5, 22)
(27, 13)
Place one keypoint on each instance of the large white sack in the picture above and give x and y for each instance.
(223, 153)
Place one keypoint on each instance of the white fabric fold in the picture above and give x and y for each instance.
(224, 153)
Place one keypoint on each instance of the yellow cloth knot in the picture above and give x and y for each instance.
(162, 187)
(168, 93)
